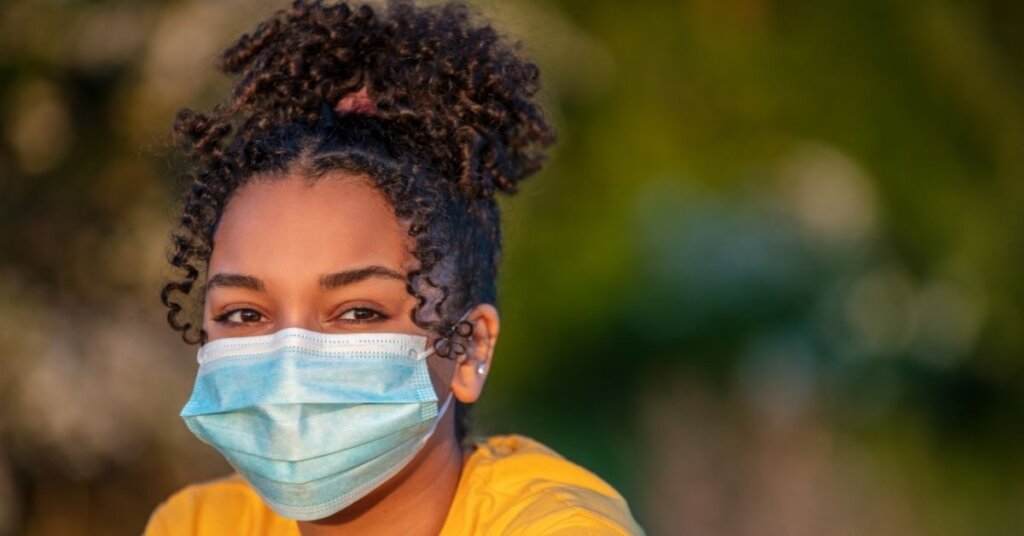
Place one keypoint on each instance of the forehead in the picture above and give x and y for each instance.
(290, 225)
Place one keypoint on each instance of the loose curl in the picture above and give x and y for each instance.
(454, 121)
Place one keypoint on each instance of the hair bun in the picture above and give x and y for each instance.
(451, 90)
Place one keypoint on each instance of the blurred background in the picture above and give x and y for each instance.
(770, 282)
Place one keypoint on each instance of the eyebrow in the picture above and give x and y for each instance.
(235, 281)
(347, 277)
(327, 281)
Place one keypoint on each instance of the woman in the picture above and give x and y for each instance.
(342, 228)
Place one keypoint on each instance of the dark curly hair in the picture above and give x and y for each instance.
(455, 121)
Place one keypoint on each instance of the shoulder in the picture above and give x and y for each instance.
(515, 485)
(223, 506)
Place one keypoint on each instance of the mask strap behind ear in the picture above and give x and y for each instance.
(426, 353)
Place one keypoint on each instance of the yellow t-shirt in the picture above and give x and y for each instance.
(509, 485)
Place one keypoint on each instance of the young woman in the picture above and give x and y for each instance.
(341, 239)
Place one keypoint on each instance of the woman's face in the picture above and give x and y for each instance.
(326, 255)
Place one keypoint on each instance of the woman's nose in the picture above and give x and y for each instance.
(300, 316)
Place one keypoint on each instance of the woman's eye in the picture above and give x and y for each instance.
(360, 314)
(240, 316)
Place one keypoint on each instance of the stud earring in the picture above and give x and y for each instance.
(481, 369)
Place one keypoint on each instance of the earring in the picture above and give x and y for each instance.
(481, 369)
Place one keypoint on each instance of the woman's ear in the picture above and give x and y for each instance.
(472, 367)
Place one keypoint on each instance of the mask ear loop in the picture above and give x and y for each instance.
(443, 346)
(423, 355)
(437, 420)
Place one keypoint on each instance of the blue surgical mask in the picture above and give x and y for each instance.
(314, 421)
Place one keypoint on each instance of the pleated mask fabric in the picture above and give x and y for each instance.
(314, 421)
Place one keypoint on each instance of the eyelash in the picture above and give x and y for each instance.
(379, 316)
(223, 317)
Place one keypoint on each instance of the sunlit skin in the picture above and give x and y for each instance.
(331, 256)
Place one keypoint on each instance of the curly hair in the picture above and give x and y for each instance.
(455, 120)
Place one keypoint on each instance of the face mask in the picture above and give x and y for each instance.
(314, 421)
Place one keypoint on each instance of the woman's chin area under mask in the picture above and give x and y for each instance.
(331, 256)
(409, 502)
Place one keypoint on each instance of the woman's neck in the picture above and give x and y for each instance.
(416, 501)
